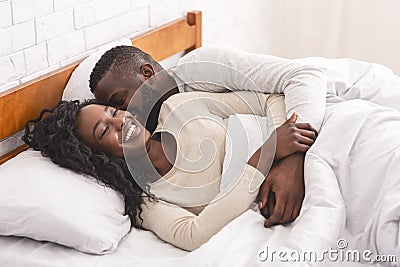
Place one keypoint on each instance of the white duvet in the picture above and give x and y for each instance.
(359, 145)
(352, 203)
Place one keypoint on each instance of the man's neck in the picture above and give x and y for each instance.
(170, 93)
(171, 88)
(171, 85)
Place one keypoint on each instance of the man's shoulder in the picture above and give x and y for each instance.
(208, 53)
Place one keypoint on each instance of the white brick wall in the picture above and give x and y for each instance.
(38, 36)
(111, 29)
(5, 11)
(36, 58)
(54, 25)
(66, 46)
(61, 4)
(161, 12)
(16, 38)
(13, 66)
(23, 10)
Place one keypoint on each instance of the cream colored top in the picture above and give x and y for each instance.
(198, 122)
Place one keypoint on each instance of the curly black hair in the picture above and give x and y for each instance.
(56, 137)
(120, 60)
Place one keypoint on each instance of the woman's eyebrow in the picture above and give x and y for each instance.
(98, 122)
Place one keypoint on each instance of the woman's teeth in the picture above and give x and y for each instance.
(130, 132)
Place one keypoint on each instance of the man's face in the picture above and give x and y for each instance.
(117, 90)
(138, 93)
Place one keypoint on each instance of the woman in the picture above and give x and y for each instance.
(93, 139)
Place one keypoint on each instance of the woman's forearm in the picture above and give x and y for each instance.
(188, 231)
(263, 158)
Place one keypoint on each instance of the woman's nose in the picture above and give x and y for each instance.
(119, 122)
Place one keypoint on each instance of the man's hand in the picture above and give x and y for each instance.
(284, 185)
(293, 137)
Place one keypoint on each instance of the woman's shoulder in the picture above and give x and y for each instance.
(188, 96)
(184, 102)
(200, 96)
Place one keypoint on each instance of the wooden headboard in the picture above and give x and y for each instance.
(24, 102)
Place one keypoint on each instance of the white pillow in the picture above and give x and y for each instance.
(40, 200)
(78, 84)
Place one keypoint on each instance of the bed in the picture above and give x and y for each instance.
(243, 242)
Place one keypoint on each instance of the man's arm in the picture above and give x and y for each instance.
(282, 192)
(222, 69)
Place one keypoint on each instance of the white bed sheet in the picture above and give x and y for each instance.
(138, 248)
(237, 244)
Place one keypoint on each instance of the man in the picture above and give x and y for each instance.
(123, 70)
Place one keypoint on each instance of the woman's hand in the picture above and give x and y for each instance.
(292, 137)
(287, 139)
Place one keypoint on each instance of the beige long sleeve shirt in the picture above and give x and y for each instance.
(198, 122)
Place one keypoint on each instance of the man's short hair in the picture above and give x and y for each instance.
(120, 60)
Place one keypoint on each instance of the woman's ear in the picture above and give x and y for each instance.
(146, 71)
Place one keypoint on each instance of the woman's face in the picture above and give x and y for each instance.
(106, 129)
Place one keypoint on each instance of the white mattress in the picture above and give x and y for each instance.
(138, 248)
(237, 244)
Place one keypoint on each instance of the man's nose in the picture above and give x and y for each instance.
(124, 106)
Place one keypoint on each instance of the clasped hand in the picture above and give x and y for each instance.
(282, 192)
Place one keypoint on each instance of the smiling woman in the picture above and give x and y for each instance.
(99, 140)
(118, 133)
(56, 137)
(102, 128)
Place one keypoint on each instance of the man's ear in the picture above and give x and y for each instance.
(146, 71)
